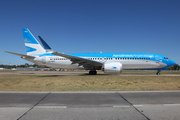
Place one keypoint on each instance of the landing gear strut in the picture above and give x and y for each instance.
(92, 72)
(158, 72)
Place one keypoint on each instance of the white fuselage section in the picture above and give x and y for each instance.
(61, 62)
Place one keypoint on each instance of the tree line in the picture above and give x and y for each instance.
(18, 66)
(174, 67)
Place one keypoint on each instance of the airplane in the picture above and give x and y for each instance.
(107, 62)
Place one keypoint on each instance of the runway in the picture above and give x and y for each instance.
(148, 105)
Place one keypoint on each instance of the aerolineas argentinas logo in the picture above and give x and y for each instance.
(114, 67)
(131, 55)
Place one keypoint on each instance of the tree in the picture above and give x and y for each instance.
(174, 67)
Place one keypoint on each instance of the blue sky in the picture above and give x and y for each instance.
(90, 26)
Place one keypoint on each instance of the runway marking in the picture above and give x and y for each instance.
(122, 106)
(171, 104)
(51, 107)
(128, 106)
(138, 105)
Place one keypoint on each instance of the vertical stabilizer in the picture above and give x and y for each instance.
(32, 45)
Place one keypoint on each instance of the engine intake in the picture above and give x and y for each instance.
(112, 67)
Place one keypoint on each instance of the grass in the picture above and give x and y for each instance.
(87, 83)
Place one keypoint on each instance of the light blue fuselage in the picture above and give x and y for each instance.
(128, 60)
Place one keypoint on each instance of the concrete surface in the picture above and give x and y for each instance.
(156, 105)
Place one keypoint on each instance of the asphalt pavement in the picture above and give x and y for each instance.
(110, 105)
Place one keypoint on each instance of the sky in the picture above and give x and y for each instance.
(91, 26)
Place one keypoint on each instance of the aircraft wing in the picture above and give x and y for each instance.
(27, 56)
(86, 63)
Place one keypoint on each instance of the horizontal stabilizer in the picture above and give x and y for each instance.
(20, 55)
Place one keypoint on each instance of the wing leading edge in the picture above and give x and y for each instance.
(86, 63)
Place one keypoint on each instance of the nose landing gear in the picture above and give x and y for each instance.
(158, 72)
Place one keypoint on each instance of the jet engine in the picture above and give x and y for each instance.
(112, 67)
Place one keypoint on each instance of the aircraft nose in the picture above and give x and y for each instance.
(172, 62)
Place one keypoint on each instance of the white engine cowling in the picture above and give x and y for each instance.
(112, 67)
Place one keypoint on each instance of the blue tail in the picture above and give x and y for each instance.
(32, 45)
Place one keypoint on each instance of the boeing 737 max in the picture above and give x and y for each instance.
(107, 62)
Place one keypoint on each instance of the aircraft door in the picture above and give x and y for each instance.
(44, 59)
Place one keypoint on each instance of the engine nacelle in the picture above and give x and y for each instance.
(112, 67)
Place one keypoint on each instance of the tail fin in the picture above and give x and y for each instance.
(46, 46)
(32, 45)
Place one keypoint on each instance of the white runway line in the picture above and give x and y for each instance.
(171, 104)
(121, 106)
(127, 106)
(138, 105)
(50, 107)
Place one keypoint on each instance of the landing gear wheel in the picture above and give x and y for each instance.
(92, 72)
(158, 73)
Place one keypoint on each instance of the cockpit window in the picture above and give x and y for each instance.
(165, 58)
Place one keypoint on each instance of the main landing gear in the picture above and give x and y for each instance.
(158, 72)
(94, 72)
